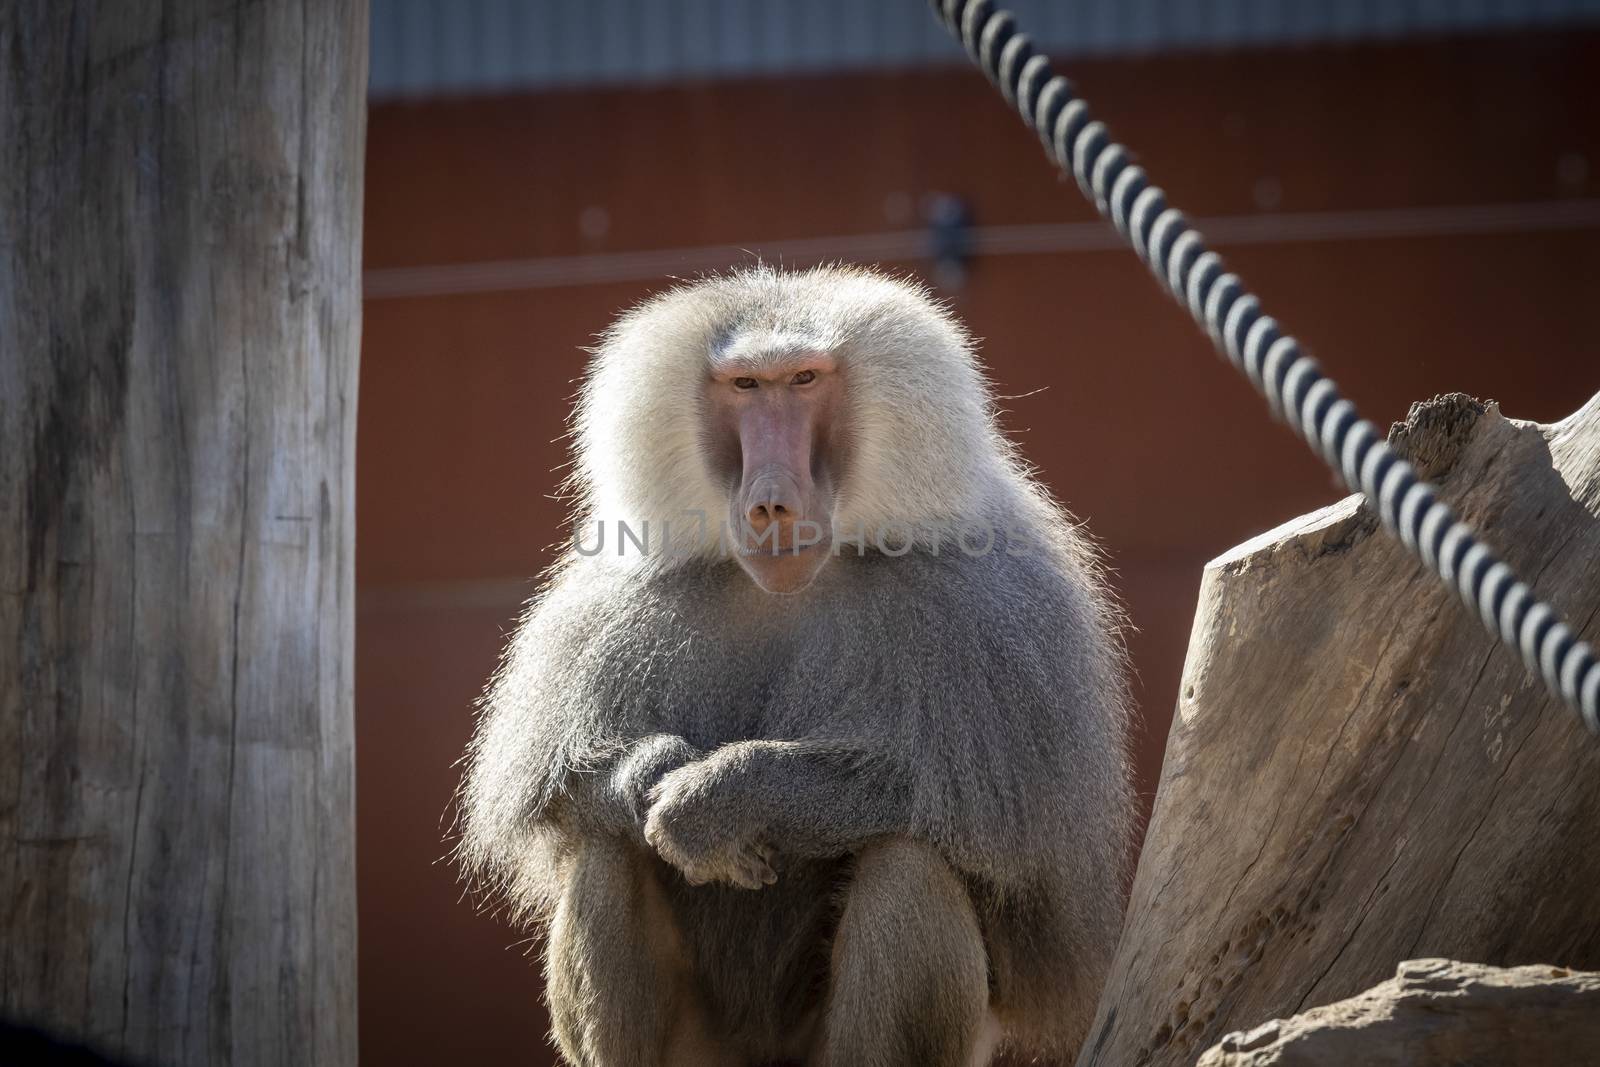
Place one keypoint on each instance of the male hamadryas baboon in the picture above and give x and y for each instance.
(812, 746)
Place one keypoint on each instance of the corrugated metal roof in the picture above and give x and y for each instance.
(432, 47)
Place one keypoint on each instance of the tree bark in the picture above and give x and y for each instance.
(180, 226)
(1357, 774)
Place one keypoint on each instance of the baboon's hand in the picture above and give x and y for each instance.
(651, 759)
(704, 835)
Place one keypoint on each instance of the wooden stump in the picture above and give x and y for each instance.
(180, 232)
(1357, 774)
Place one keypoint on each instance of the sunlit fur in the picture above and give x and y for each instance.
(926, 450)
(905, 728)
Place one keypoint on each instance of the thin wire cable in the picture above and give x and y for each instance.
(1292, 382)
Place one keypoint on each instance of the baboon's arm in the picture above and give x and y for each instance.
(808, 798)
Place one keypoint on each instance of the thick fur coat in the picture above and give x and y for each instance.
(967, 697)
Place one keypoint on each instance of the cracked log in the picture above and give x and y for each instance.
(1435, 1013)
(1357, 774)
(180, 230)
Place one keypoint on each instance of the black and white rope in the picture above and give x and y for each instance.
(1292, 382)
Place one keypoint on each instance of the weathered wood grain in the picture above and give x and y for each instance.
(1357, 774)
(180, 227)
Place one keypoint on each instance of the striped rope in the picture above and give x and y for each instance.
(1292, 382)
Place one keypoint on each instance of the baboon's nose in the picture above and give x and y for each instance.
(765, 514)
(774, 500)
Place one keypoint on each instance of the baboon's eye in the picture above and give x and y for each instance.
(745, 383)
(803, 377)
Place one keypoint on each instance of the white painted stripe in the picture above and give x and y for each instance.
(901, 246)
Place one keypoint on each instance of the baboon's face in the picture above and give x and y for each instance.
(776, 439)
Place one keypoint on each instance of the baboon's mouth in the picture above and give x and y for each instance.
(786, 570)
(780, 552)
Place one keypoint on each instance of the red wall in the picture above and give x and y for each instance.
(1132, 419)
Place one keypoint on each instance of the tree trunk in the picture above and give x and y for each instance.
(1357, 774)
(180, 226)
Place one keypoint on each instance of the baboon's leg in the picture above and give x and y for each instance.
(909, 982)
(615, 974)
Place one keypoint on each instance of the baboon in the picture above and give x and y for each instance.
(842, 781)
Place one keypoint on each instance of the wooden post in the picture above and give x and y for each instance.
(1357, 774)
(180, 230)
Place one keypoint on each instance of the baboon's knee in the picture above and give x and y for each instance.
(609, 966)
(909, 980)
